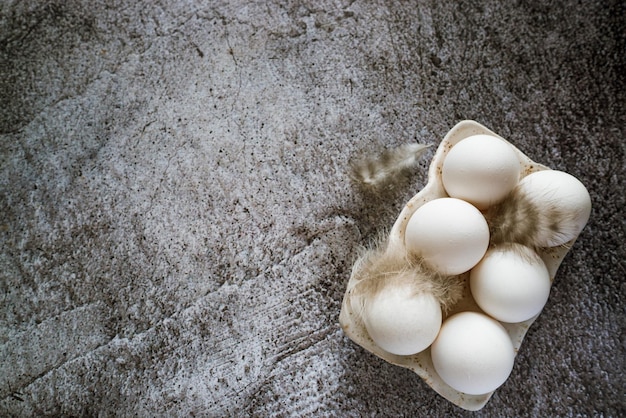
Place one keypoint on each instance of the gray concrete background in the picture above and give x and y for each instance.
(176, 222)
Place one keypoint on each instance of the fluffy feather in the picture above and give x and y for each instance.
(380, 171)
(378, 268)
(529, 220)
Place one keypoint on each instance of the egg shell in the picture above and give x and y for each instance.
(473, 353)
(449, 234)
(481, 169)
(401, 322)
(511, 283)
(563, 198)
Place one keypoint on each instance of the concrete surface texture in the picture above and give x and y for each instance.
(177, 224)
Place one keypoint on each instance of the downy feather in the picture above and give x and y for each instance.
(381, 171)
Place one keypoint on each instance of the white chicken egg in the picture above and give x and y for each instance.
(563, 203)
(473, 353)
(400, 321)
(480, 169)
(511, 284)
(448, 234)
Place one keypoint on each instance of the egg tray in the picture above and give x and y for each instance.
(421, 363)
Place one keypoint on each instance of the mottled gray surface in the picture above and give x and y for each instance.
(177, 226)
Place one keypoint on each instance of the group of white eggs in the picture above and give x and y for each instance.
(471, 351)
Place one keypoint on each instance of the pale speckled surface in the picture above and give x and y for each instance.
(177, 226)
(421, 363)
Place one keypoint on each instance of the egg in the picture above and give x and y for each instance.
(473, 353)
(511, 284)
(562, 200)
(480, 169)
(449, 234)
(400, 321)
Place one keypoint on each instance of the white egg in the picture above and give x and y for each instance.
(480, 169)
(473, 353)
(563, 201)
(511, 284)
(449, 234)
(402, 322)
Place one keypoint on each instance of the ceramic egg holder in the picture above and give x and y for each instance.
(421, 363)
